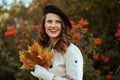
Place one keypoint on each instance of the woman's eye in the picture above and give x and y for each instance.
(58, 22)
(49, 21)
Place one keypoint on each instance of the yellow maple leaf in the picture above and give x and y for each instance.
(35, 55)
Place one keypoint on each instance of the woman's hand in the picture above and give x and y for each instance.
(42, 73)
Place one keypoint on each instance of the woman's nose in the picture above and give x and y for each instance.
(53, 24)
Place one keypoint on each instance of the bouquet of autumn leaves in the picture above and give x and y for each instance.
(35, 55)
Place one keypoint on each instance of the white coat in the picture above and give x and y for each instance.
(68, 66)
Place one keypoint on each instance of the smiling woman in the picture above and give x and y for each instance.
(67, 60)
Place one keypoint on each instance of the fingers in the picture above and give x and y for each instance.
(32, 73)
(36, 65)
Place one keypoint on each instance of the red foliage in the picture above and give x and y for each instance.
(84, 30)
(96, 56)
(108, 77)
(36, 27)
(44, 3)
(104, 58)
(97, 41)
(117, 34)
(11, 31)
(83, 22)
(77, 36)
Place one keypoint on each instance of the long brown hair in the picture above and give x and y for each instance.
(64, 41)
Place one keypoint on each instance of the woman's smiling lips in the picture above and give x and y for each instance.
(53, 31)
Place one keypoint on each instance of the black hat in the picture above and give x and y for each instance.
(56, 10)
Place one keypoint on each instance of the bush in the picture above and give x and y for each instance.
(98, 36)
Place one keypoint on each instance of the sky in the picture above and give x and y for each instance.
(26, 2)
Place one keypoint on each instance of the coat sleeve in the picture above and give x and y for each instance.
(74, 63)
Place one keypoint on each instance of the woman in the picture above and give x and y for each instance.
(67, 60)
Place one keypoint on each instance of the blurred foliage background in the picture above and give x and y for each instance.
(96, 27)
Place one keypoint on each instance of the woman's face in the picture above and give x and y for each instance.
(53, 25)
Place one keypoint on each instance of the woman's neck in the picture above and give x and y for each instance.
(53, 41)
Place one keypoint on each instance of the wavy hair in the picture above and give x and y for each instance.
(64, 41)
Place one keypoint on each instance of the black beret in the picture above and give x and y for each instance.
(56, 10)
